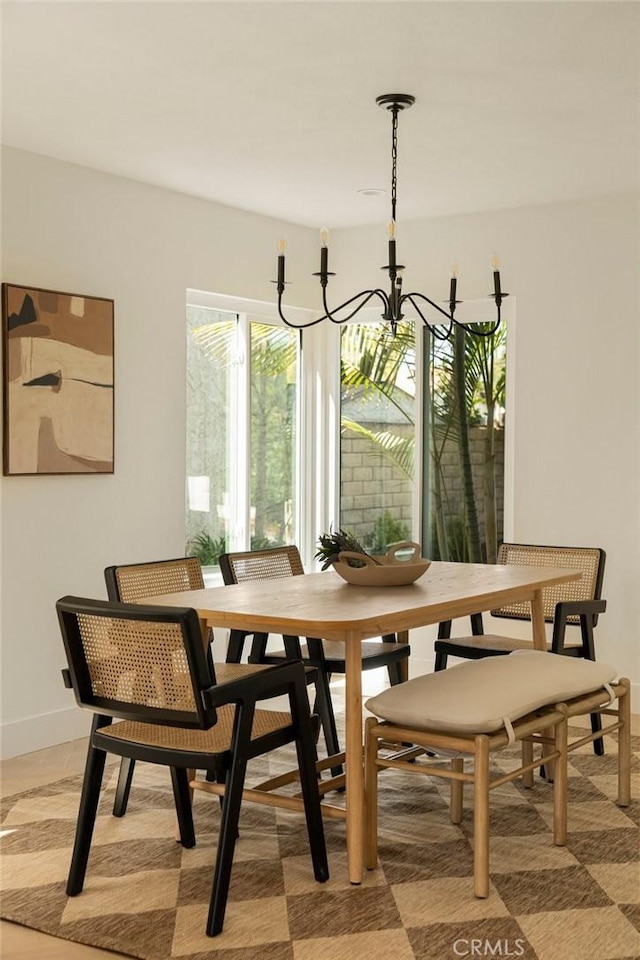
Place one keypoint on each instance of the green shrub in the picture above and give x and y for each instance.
(207, 549)
(386, 531)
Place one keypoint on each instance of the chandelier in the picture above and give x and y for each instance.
(393, 301)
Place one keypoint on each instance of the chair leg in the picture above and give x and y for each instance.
(324, 707)
(93, 773)
(481, 818)
(230, 818)
(127, 766)
(235, 646)
(218, 775)
(395, 672)
(441, 661)
(306, 752)
(182, 797)
(596, 725)
(371, 794)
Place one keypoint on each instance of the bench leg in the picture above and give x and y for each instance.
(560, 782)
(481, 818)
(371, 795)
(455, 801)
(624, 745)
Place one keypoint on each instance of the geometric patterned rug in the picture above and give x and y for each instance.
(146, 897)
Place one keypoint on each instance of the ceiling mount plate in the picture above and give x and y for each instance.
(396, 101)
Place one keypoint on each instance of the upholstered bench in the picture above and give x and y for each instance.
(478, 707)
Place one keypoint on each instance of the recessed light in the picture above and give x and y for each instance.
(371, 192)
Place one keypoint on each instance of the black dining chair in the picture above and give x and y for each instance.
(146, 666)
(131, 582)
(328, 657)
(574, 604)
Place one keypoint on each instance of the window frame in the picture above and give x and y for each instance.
(318, 412)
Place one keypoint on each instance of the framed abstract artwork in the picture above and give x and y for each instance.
(57, 382)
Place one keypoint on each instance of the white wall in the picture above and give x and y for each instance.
(573, 267)
(76, 230)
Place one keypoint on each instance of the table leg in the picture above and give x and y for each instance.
(537, 622)
(354, 766)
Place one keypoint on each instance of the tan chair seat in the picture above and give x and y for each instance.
(215, 740)
(336, 650)
(476, 696)
(226, 672)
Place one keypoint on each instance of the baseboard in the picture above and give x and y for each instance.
(45, 730)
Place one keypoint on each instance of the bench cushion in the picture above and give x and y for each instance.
(476, 696)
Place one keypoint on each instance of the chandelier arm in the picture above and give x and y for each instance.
(432, 327)
(367, 294)
(296, 326)
(410, 297)
(469, 327)
(472, 327)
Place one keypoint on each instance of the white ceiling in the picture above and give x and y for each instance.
(271, 106)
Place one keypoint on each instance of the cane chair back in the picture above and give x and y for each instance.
(149, 666)
(588, 560)
(275, 563)
(135, 581)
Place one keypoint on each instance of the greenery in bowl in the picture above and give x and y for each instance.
(332, 543)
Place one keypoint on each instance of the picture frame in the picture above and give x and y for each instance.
(58, 383)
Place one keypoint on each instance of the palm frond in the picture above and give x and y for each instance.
(398, 450)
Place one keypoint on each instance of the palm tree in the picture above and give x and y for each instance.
(465, 380)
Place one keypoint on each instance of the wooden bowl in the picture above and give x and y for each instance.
(383, 571)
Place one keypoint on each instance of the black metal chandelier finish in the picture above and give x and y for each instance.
(393, 301)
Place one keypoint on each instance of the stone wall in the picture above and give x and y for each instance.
(371, 484)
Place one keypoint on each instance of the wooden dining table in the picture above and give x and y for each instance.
(323, 605)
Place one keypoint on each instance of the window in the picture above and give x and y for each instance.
(242, 416)
(464, 446)
(429, 470)
(378, 434)
(362, 431)
(273, 428)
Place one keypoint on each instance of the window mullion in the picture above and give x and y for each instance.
(239, 471)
